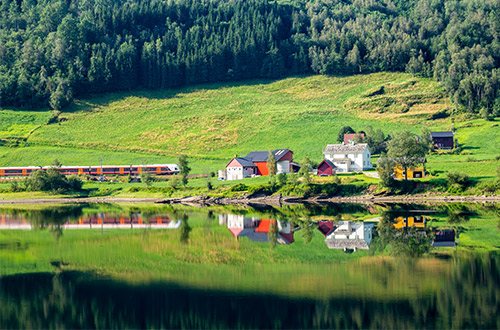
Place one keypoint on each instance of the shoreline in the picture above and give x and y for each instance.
(274, 200)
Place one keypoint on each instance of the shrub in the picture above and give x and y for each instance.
(457, 182)
(15, 187)
(239, 187)
(174, 182)
(52, 180)
(281, 179)
(262, 189)
(457, 178)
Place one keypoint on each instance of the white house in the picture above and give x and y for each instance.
(237, 169)
(350, 235)
(349, 157)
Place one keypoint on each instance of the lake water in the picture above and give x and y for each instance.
(305, 266)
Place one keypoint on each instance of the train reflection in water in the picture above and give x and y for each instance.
(97, 221)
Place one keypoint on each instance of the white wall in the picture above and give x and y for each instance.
(283, 167)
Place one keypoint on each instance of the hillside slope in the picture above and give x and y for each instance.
(211, 123)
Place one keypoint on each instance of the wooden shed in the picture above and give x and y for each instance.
(326, 168)
(442, 140)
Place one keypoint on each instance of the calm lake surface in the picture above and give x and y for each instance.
(322, 266)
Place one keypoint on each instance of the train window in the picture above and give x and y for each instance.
(12, 171)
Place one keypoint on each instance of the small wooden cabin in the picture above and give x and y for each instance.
(326, 168)
(442, 140)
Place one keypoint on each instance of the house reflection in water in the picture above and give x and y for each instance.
(408, 222)
(350, 236)
(98, 221)
(255, 229)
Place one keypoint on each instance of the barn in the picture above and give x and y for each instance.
(284, 159)
(442, 140)
(326, 168)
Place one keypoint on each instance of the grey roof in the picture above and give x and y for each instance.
(245, 162)
(347, 148)
(261, 237)
(340, 159)
(443, 244)
(442, 134)
(261, 156)
(346, 244)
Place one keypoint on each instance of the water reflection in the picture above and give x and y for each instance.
(400, 229)
(258, 230)
(75, 221)
(468, 296)
(350, 236)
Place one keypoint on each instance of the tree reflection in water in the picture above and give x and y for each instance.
(469, 297)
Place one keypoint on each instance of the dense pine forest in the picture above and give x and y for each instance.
(53, 51)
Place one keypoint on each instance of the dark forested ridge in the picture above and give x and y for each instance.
(52, 51)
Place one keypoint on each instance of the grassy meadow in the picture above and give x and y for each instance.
(212, 123)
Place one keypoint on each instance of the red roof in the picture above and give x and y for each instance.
(350, 136)
(325, 227)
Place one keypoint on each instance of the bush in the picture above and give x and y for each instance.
(52, 180)
(457, 182)
(281, 179)
(174, 182)
(457, 178)
(239, 187)
(262, 189)
(15, 187)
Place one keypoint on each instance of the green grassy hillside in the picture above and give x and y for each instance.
(212, 123)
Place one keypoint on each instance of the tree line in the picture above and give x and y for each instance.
(53, 50)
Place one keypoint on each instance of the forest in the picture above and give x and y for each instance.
(52, 51)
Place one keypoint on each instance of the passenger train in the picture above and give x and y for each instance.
(158, 169)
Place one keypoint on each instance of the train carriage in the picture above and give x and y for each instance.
(18, 171)
(155, 169)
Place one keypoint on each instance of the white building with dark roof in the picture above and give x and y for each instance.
(349, 157)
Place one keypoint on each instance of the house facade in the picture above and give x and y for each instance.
(350, 235)
(442, 140)
(349, 157)
(237, 169)
(283, 157)
(255, 163)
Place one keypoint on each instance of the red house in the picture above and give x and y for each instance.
(284, 159)
(326, 168)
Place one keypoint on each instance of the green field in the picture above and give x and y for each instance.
(212, 123)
